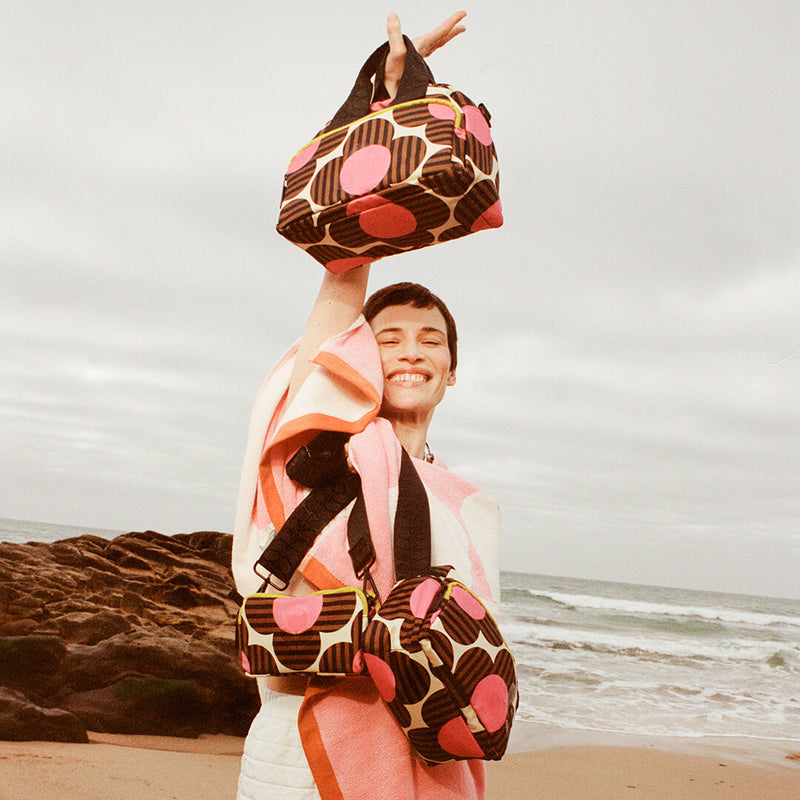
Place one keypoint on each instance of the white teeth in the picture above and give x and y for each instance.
(408, 377)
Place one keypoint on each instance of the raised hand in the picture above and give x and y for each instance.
(425, 44)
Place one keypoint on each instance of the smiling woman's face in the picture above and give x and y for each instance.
(416, 361)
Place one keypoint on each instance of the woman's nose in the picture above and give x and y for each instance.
(410, 352)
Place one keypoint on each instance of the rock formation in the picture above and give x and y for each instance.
(129, 635)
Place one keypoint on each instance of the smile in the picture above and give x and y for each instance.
(408, 377)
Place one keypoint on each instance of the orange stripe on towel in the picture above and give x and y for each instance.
(313, 746)
(315, 572)
(342, 369)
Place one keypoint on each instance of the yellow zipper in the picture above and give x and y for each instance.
(424, 100)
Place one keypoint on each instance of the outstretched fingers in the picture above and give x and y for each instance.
(439, 36)
(425, 44)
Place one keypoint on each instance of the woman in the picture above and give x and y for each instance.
(379, 377)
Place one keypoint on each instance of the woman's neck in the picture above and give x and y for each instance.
(412, 437)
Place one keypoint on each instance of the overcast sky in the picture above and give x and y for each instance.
(629, 374)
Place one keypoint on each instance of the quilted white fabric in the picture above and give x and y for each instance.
(274, 766)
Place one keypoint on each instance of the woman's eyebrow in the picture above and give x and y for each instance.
(399, 329)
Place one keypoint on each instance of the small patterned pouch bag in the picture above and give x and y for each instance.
(384, 179)
(320, 633)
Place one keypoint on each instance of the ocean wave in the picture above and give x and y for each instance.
(642, 703)
(644, 608)
(675, 650)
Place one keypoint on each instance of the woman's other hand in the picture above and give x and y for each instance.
(425, 44)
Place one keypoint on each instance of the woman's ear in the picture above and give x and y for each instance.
(451, 378)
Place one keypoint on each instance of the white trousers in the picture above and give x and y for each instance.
(274, 766)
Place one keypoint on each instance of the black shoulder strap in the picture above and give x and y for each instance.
(291, 543)
(412, 528)
(412, 525)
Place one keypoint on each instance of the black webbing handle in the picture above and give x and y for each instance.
(291, 543)
(413, 85)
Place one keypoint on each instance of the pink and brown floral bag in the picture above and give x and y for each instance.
(384, 179)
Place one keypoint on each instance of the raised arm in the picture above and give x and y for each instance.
(342, 295)
(336, 308)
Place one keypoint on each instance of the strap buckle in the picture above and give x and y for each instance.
(370, 589)
(269, 579)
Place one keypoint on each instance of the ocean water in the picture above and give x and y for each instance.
(21, 531)
(634, 659)
(602, 656)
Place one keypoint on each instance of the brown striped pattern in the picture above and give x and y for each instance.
(329, 142)
(423, 740)
(411, 116)
(430, 211)
(439, 708)
(407, 154)
(504, 667)
(328, 252)
(261, 661)
(413, 680)
(455, 232)
(348, 233)
(461, 627)
(337, 609)
(325, 188)
(295, 183)
(471, 667)
(374, 131)
(294, 211)
(296, 653)
(481, 155)
(440, 131)
(337, 659)
(445, 176)
(480, 197)
(296, 216)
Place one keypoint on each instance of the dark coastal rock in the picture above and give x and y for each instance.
(21, 720)
(130, 635)
(145, 705)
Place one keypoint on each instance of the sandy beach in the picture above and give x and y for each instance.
(545, 764)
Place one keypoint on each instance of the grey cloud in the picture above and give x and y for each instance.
(615, 390)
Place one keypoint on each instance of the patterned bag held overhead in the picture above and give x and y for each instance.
(384, 179)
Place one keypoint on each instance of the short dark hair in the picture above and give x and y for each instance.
(412, 294)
